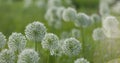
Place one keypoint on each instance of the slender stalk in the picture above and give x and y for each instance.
(48, 57)
(36, 46)
(55, 59)
(83, 42)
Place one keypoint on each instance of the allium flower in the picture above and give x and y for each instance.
(83, 20)
(2, 40)
(7, 56)
(96, 18)
(69, 14)
(111, 27)
(35, 31)
(75, 33)
(17, 42)
(51, 14)
(98, 34)
(28, 56)
(104, 9)
(60, 12)
(53, 18)
(50, 42)
(71, 47)
(110, 23)
(81, 60)
(116, 8)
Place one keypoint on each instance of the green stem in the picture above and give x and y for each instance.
(36, 46)
(55, 59)
(48, 58)
(83, 42)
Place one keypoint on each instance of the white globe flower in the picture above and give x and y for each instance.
(116, 8)
(35, 31)
(17, 42)
(7, 56)
(98, 34)
(96, 18)
(54, 20)
(110, 23)
(104, 9)
(111, 27)
(2, 40)
(60, 12)
(81, 60)
(28, 56)
(50, 42)
(51, 15)
(69, 14)
(83, 20)
(71, 47)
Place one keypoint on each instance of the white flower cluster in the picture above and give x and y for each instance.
(116, 8)
(35, 31)
(28, 56)
(81, 60)
(71, 47)
(69, 14)
(50, 42)
(17, 42)
(111, 27)
(7, 56)
(83, 20)
(2, 40)
(104, 9)
(98, 34)
(96, 18)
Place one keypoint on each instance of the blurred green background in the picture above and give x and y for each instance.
(14, 18)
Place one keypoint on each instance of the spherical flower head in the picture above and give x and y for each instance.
(110, 23)
(75, 33)
(28, 56)
(50, 15)
(60, 12)
(7, 56)
(50, 42)
(98, 34)
(116, 8)
(104, 9)
(69, 14)
(83, 20)
(81, 60)
(2, 40)
(17, 42)
(53, 18)
(35, 31)
(96, 18)
(71, 47)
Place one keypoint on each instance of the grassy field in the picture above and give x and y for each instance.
(14, 18)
